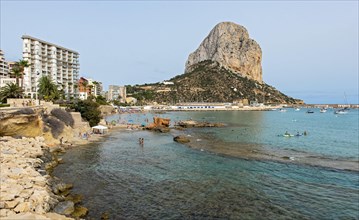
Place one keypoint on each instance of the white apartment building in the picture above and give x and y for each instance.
(47, 59)
(114, 92)
(4, 67)
(4, 81)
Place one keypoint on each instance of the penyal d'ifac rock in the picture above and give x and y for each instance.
(229, 45)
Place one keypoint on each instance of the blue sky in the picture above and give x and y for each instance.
(310, 49)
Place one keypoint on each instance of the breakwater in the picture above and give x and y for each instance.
(27, 189)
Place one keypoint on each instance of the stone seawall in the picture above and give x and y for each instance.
(25, 186)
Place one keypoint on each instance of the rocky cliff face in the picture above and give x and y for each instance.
(229, 45)
(27, 122)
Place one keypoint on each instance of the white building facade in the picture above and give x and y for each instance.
(4, 67)
(96, 87)
(116, 92)
(47, 59)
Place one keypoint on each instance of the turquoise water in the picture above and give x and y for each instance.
(167, 180)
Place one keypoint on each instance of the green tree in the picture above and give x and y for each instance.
(116, 102)
(16, 73)
(101, 100)
(48, 89)
(95, 84)
(10, 90)
(22, 65)
(89, 111)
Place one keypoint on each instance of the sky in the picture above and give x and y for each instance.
(310, 48)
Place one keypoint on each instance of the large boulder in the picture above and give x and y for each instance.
(106, 109)
(229, 45)
(65, 208)
(181, 139)
(22, 122)
(159, 124)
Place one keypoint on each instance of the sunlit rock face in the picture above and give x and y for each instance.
(229, 45)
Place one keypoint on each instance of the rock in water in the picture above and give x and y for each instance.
(229, 45)
(181, 139)
(65, 208)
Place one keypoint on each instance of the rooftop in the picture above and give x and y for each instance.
(45, 42)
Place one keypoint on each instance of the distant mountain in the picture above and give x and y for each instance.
(225, 68)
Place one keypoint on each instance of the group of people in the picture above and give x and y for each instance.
(28, 103)
(85, 135)
(298, 134)
(25, 103)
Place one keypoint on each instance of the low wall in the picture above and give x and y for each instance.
(78, 123)
(22, 102)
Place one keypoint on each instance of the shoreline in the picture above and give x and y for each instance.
(26, 183)
(28, 189)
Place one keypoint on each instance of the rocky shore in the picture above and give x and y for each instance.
(27, 191)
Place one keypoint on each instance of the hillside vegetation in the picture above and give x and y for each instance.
(209, 82)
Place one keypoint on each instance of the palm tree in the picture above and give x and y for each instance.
(16, 73)
(22, 64)
(95, 83)
(10, 90)
(48, 89)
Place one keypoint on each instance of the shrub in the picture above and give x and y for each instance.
(89, 111)
(63, 116)
(56, 126)
(101, 100)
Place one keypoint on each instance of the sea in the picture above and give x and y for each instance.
(247, 169)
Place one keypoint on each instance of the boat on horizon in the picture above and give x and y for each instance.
(323, 110)
(297, 109)
(342, 111)
(310, 112)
